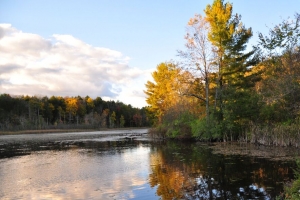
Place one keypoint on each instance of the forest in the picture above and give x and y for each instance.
(222, 89)
(35, 113)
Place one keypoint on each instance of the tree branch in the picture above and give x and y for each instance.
(194, 95)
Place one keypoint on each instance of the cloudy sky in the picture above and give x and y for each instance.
(104, 48)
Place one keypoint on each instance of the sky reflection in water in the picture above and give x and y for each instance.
(133, 169)
(77, 174)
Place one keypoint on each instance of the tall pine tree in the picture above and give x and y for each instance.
(230, 37)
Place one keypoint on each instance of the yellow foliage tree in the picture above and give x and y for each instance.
(71, 107)
(162, 94)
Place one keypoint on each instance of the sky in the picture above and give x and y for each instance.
(105, 48)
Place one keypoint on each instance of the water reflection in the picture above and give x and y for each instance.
(83, 170)
(192, 171)
(96, 168)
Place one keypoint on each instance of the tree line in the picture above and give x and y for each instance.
(223, 90)
(32, 112)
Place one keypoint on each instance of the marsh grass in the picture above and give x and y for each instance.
(278, 135)
(159, 132)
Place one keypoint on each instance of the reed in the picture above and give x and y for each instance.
(159, 132)
(278, 134)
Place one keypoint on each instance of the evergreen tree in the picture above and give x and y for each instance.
(230, 37)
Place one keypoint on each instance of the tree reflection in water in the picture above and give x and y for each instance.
(210, 189)
(191, 171)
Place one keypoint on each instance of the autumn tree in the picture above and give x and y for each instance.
(89, 104)
(137, 118)
(32, 112)
(71, 107)
(162, 93)
(279, 88)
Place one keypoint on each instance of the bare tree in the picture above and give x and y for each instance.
(198, 57)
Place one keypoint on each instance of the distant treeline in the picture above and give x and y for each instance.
(32, 112)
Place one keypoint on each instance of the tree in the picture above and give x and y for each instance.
(12, 111)
(98, 103)
(34, 110)
(162, 93)
(71, 107)
(122, 121)
(230, 37)
(283, 37)
(59, 111)
(112, 119)
(81, 109)
(198, 57)
(279, 88)
(89, 104)
(47, 109)
(137, 118)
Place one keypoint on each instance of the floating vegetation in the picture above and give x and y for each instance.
(246, 149)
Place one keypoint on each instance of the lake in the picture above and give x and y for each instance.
(126, 164)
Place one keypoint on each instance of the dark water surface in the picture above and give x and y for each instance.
(127, 165)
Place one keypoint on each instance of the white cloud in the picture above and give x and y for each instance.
(66, 66)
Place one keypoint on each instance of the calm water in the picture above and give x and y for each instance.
(98, 166)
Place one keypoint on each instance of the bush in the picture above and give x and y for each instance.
(204, 131)
(293, 191)
(177, 128)
(199, 129)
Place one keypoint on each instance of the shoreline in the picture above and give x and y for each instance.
(41, 131)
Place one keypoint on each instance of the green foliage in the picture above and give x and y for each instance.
(212, 131)
(112, 119)
(293, 191)
(122, 121)
(200, 129)
(235, 77)
(283, 36)
(181, 127)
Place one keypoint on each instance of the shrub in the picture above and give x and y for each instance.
(292, 192)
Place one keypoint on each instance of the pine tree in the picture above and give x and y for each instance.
(230, 37)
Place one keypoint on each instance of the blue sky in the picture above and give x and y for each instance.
(122, 40)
